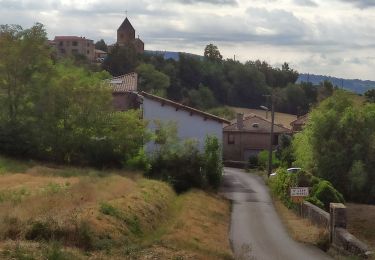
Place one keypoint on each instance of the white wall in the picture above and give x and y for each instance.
(189, 126)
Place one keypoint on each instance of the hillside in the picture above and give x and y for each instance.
(52, 212)
(355, 85)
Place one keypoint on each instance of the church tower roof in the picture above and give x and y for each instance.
(126, 25)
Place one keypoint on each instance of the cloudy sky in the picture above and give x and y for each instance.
(329, 37)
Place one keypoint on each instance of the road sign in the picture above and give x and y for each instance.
(299, 193)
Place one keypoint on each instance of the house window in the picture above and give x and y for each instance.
(74, 51)
(75, 43)
(231, 139)
(88, 52)
(88, 44)
(61, 43)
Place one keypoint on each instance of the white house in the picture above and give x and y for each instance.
(191, 123)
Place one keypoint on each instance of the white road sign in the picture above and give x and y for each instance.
(299, 192)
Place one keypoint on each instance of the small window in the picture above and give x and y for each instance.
(61, 43)
(88, 44)
(88, 52)
(74, 51)
(231, 139)
(75, 43)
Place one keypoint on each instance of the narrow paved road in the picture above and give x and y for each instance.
(256, 230)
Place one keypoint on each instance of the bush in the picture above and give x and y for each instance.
(322, 192)
(263, 159)
(253, 162)
(213, 165)
(185, 167)
(182, 168)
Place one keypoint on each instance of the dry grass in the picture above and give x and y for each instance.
(361, 222)
(201, 226)
(280, 118)
(110, 215)
(300, 229)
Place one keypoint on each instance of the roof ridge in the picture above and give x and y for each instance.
(191, 109)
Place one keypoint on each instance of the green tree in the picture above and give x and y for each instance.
(152, 80)
(338, 144)
(202, 98)
(101, 45)
(121, 60)
(22, 70)
(212, 53)
(370, 95)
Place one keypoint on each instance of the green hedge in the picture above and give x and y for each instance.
(322, 193)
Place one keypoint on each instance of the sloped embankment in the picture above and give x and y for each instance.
(46, 213)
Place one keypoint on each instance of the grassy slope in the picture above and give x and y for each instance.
(101, 214)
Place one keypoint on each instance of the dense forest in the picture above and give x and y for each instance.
(211, 82)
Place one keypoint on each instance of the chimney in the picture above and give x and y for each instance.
(239, 121)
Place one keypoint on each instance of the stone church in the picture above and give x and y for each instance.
(126, 36)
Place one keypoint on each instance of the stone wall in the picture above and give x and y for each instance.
(315, 214)
(335, 222)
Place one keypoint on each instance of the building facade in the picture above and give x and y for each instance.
(74, 45)
(191, 123)
(248, 136)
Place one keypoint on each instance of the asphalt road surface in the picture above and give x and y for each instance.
(256, 230)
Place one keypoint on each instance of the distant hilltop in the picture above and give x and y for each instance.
(174, 55)
(355, 85)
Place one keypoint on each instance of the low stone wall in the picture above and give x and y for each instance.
(235, 164)
(346, 241)
(315, 214)
(335, 222)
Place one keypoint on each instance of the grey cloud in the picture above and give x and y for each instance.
(361, 3)
(305, 3)
(216, 2)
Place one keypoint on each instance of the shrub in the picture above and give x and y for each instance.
(213, 165)
(253, 162)
(321, 194)
(184, 166)
(263, 159)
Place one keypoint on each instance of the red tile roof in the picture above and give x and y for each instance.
(124, 83)
(183, 107)
(256, 124)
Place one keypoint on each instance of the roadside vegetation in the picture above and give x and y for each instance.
(335, 151)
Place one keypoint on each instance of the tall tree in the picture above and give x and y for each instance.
(101, 45)
(121, 60)
(212, 53)
(22, 71)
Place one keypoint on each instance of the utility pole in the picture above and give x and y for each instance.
(271, 137)
(270, 97)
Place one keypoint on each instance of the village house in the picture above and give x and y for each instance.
(191, 123)
(248, 136)
(74, 45)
